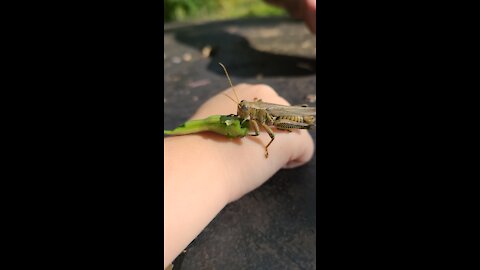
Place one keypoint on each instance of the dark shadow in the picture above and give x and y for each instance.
(238, 55)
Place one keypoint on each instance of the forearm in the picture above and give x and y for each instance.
(193, 192)
(204, 172)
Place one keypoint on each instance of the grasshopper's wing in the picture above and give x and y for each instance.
(283, 110)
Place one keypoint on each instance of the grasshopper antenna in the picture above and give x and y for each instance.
(228, 77)
(231, 99)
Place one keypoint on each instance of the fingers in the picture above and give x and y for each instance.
(310, 16)
(303, 9)
(302, 153)
(260, 91)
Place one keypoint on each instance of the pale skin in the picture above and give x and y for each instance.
(204, 172)
(300, 9)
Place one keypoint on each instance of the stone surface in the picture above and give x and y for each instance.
(274, 227)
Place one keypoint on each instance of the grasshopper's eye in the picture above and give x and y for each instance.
(244, 108)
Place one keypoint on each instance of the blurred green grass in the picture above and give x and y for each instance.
(191, 10)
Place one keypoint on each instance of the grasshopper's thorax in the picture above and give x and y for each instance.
(250, 110)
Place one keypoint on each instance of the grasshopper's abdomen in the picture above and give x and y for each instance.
(294, 122)
(294, 118)
(281, 125)
(298, 118)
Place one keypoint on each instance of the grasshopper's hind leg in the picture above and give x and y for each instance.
(272, 136)
(257, 132)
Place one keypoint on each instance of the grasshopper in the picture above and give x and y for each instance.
(265, 114)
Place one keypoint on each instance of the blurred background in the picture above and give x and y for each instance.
(191, 10)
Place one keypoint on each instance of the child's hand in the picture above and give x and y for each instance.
(300, 9)
(203, 172)
(245, 166)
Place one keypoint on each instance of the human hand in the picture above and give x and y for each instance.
(203, 172)
(300, 9)
(244, 165)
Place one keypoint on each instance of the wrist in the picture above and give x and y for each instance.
(243, 163)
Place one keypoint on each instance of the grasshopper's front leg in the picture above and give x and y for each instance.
(255, 128)
(272, 136)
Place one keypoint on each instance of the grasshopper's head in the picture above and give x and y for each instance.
(242, 109)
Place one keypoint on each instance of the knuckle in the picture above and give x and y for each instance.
(267, 89)
(243, 85)
(262, 91)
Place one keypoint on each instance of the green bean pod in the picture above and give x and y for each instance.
(227, 125)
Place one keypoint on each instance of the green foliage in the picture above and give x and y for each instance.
(186, 10)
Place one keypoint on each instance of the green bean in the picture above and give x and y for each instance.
(227, 125)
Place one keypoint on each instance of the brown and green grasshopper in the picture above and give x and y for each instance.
(265, 114)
